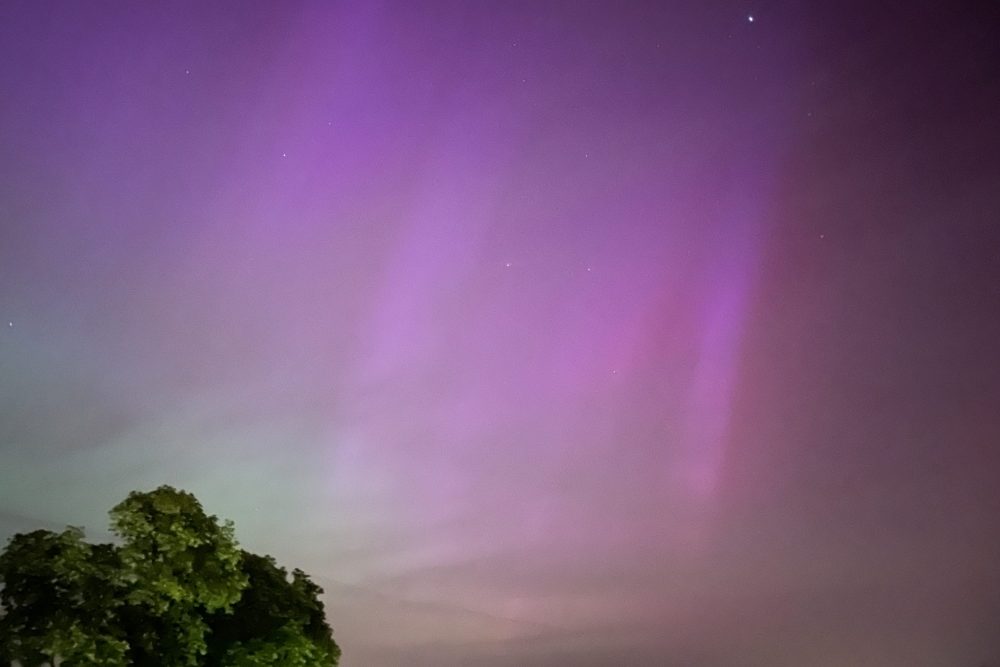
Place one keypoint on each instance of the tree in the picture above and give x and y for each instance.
(176, 592)
(279, 614)
(59, 599)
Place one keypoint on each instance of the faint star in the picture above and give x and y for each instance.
(284, 155)
(187, 71)
(589, 269)
(507, 264)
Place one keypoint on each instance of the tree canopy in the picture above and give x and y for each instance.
(177, 591)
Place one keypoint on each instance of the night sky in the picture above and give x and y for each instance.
(554, 334)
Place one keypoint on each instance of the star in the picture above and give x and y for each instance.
(187, 71)
(284, 155)
(507, 264)
(750, 18)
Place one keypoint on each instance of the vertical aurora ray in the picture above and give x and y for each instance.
(734, 272)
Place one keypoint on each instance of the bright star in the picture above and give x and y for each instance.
(750, 18)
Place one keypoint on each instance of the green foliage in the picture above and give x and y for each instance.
(178, 554)
(180, 563)
(276, 611)
(288, 645)
(59, 599)
(177, 592)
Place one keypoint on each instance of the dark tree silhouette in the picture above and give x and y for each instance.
(177, 592)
